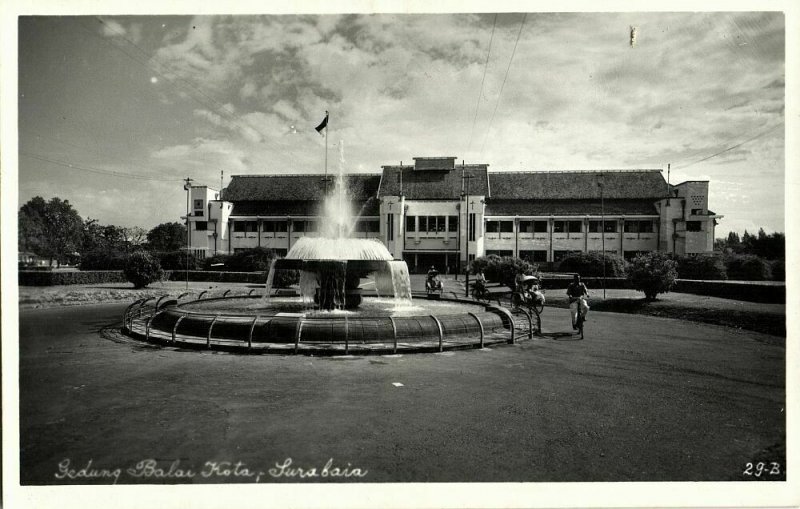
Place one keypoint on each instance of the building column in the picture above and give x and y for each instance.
(586, 235)
(289, 225)
(230, 236)
(258, 230)
(550, 222)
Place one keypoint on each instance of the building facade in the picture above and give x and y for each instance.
(437, 212)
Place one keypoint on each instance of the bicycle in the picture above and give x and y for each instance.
(480, 292)
(580, 319)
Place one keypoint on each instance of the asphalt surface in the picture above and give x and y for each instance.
(640, 399)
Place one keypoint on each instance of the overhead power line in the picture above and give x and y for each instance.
(521, 25)
(100, 171)
(748, 140)
(483, 80)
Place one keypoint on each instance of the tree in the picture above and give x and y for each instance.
(51, 229)
(30, 234)
(652, 273)
(133, 237)
(100, 238)
(167, 237)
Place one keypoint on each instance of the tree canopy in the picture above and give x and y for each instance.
(51, 229)
(167, 237)
(770, 246)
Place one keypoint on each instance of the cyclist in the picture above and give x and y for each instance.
(577, 293)
(480, 285)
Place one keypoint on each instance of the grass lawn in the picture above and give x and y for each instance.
(70, 295)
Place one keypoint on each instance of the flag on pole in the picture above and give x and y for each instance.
(322, 125)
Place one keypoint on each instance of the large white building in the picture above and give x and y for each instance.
(438, 212)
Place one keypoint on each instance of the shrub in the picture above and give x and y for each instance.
(217, 262)
(177, 260)
(652, 273)
(502, 270)
(103, 260)
(591, 264)
(778, 270)
(703, 267)
(747, 268)
(250, 260)
(142, 269)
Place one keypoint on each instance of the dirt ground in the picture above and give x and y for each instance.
(640, 399)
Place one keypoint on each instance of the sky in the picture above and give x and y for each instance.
(115, 110)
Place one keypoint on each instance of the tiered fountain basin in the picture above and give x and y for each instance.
(250, 324)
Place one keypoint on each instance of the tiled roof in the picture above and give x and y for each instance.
(296, 187)
(617, 184)
(369, 207)
(433, 184)
(569, 207)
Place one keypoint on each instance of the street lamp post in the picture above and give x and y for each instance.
(603, 231)
(188, 187)
(466, 220)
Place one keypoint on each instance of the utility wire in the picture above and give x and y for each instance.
(748, 140)
(521, 25)
(480, 94)
(97, 170)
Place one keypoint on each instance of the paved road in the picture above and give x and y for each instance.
(640, 399)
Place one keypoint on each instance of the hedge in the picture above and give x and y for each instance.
(89, 277)
(83, 277)
(747, 268)
(774, 293)
(591, 264)
(703, 266)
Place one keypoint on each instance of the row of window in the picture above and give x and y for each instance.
(366, 226)
(431, 224)
(540, 255)
(436, 224)
(568, 226)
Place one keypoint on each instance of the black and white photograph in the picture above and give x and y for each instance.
(390, 254)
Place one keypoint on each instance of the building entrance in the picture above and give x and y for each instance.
(420, 263)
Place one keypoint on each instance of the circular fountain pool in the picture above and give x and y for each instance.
(286, 325)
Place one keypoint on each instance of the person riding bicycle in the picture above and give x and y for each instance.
(433, 283)
(577, 293)
(480, 284)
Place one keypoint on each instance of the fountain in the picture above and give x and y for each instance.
(332, 266)
(330, 314)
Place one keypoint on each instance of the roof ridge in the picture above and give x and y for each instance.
(601, 170)
(308, 175)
